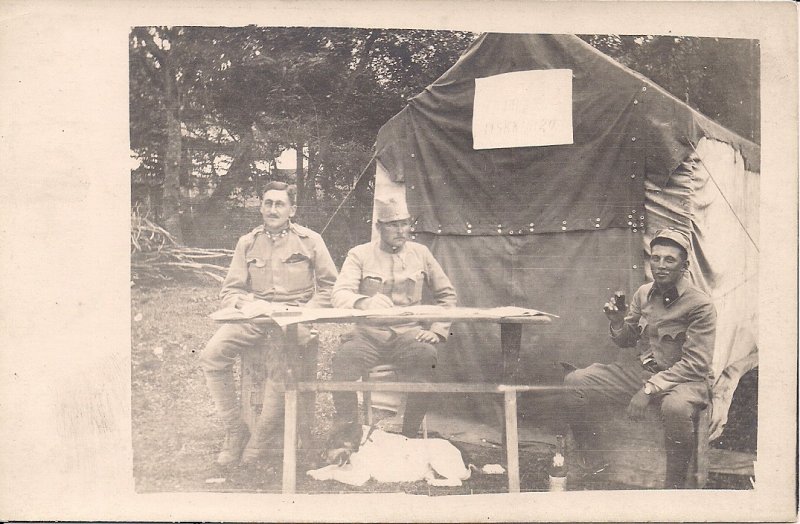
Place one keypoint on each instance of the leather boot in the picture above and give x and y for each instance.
(679, 454)
(416, 408)
(235, 439)
(587, 463)
(223, 392)
(266, 434)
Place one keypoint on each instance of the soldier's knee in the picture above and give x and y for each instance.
(425, 354)
(673, 408)
(576, 378)
(347, 360)
(213, 358)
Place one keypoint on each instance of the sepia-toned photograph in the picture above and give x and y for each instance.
(442, 263)
(430, 261)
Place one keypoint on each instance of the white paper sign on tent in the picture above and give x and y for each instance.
(524, 108)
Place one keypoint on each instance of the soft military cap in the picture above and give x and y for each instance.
(672, 234)
(390, 210)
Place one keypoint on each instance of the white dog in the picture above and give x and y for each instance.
(387, 457)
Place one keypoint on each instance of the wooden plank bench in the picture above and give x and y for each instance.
(509, 393)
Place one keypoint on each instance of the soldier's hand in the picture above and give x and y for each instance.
(614, 314)
(242, 300)
(428, 337)
(378, 301)
(638, 405)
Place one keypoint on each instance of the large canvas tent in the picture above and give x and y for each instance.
(560, 227)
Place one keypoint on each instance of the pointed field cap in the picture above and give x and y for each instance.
(673, 235)
(390, 209)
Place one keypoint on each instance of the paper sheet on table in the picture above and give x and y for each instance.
(282, 314)
(514, 311)
(455, 313)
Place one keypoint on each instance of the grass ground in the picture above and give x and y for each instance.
(176, 435)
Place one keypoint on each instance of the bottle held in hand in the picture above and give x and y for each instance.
(558, 467)
(619, 301)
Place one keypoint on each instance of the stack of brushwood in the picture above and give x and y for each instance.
(156, 255)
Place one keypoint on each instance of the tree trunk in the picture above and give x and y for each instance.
(239, 169)
(327, 182)
(311, 181)
(172, 160)
(300, 177)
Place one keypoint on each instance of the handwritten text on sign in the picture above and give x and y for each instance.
(525, 108)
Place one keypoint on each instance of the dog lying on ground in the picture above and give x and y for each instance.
(388, 457)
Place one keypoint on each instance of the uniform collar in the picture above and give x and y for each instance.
(291, 228)
(671, 295)
(400, 251)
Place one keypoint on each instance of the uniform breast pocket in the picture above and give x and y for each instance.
(299, 273)
(371, 284)
(259, 274)
(671, 339)
(414, 285)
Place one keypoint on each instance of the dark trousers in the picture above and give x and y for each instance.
(616, 383)
(416, 362)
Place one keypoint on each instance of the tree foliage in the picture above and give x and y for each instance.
(211, 108)
(719, 77)
(241, 96)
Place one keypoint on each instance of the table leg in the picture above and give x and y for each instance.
(306, 401)
(510, 342)
(290, 442)
(290, 410)
(512, 440)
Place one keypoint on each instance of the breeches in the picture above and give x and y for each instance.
(416, 362)
(231, 339)
(616, 383)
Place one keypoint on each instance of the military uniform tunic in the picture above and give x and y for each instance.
(402, 275)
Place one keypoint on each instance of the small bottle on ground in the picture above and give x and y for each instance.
(557, 472)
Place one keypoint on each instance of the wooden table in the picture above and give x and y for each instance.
(304, 365)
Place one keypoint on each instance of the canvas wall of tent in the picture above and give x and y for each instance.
(560, 227)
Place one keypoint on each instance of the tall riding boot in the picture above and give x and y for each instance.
(223, 393)
(266, 434)
(590, 460)
(679, 454)
(416, 408)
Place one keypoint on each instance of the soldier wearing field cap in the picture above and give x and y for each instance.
(672, 324)
(392, 271)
